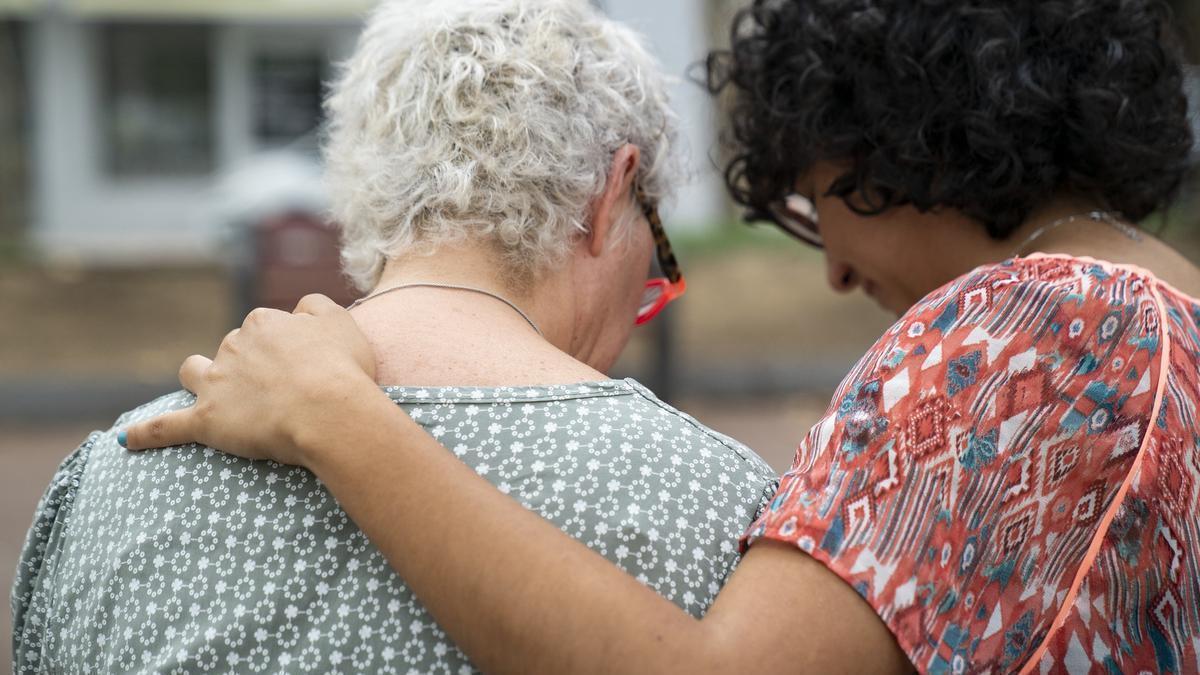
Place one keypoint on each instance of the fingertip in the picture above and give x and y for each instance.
(123, 439)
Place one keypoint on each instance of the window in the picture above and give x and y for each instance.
(157, 92)
(288, 96)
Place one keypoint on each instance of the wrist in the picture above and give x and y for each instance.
(345, 409)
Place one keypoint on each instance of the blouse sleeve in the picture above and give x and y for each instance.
(957, 479)
(32, 591)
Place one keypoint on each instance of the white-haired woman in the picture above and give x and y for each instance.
(495, 164)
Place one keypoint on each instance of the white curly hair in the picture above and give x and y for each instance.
(489, 120)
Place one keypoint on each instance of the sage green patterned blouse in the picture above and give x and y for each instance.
(189, 560)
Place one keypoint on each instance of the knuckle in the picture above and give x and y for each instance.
(203, 410)
(257, 315)
(215, 372)
(227, 341)
(157, 428)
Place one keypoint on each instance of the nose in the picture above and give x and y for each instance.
(842, 277)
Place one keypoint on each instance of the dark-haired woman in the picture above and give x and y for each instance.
(1008, 480)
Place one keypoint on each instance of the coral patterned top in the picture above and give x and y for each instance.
(1009, 477)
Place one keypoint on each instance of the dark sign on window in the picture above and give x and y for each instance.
(157, 89)
(288, 92)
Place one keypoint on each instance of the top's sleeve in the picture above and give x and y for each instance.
(958, 476)
(32, 592)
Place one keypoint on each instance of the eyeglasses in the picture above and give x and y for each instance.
(662, 291)
(796, 215)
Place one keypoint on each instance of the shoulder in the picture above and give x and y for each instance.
(704, 437)
(953, 439)
(60, 495)
(1001, 294)
(1048, 302)
(992, 348)
(176, 400)
(146, 495)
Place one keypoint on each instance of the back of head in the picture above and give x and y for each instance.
(493, 120)
(990, 107)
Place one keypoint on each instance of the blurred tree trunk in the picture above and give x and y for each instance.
(14, 183)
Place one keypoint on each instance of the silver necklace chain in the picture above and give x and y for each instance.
(1106, 217)
(451, 287)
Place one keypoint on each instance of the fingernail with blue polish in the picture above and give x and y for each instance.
(123, 438)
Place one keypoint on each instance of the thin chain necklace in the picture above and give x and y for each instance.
(451, 287)
(1107, 217)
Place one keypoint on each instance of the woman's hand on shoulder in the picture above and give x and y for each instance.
(275, 387)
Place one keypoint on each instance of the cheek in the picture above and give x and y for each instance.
(876, 252)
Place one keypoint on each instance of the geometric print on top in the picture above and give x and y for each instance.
(968, 462)
(189, 560)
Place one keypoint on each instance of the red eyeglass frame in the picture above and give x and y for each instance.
(671, 287)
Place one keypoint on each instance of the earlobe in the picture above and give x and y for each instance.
(607, 206)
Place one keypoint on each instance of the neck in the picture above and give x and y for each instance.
(473, 268)
(452, 287)
(1062, 220)
(1116, 241)
(471, 311)
(958, 244)
(1039, 232)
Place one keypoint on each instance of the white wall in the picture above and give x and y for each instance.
(81, 212)
(677, 33)
(77, 210)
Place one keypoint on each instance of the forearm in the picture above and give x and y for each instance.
(547, 605)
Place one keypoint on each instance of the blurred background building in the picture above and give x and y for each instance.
(159, 174)
(133, 108)
(120, 116)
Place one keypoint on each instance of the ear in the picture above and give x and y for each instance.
(606, 208)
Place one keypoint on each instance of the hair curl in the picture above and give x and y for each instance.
(989, 107)
(487, 120)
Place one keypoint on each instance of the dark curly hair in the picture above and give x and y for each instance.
(985, 106)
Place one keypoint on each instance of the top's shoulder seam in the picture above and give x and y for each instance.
(736, 446)
(506, 395)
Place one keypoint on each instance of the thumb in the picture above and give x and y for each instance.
(173, 428)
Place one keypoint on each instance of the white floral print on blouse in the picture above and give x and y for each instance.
(189, 560)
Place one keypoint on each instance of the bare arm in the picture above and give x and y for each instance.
(520, 596)
(516, 593)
